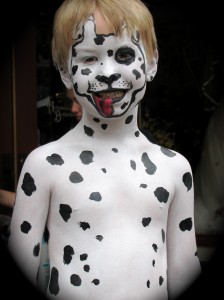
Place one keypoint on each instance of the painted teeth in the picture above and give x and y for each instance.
(114, 94)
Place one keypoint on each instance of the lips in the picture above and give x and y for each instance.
(105, 99)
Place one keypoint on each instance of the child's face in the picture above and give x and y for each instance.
(108, 72)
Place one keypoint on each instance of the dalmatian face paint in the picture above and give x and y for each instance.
(108, 72)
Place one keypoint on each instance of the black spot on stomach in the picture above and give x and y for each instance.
(68, 253)
(86, 72)
(95, 196)
(86, 157)
(84, 225)
(163, 236)
(28, 185)
(86, 268)
(88, 131)
(96, 281)
(148, 284)
(146, 221)
(133, 164)
(149, 165)
(137, 74)
(115, 150)
(186, 224)
(75, 280)
(83, 256)
(65, 212)
(36, 250)
(161, 280)
(99, 237)
(167, 152)
(55, 159)
(161, 194)
(74, 69)
(25, 227)
(155, 247)
(187, 180)
(53, 285)
(75, 177)
(129, 119)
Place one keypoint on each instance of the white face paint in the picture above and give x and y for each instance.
(108, 72)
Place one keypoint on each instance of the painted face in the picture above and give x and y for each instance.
(108, 72)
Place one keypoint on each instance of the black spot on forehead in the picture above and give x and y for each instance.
(146, 221)
(65, 212)
(137, 74)
(110, 53)
(167, 152)
(75, 177)
(86, 157)
(161, 194)
(25, 227)
(186, 224)
(55, 159)
(187, 180)
(99, 40)
(75, 280)
(28, 185)
(86, 72)
(53, 285)
(84, 225)
(129, 119)
(88, 131)
(149, 165)
(36, 250)
(68, 253)
(74, 69)
(96, 196)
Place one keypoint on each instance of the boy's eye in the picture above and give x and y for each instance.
(125, 56)
(89, 60)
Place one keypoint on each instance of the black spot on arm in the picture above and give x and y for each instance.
(36, 250)
(75, 177)
(167, 152)
(187, 180)
(186, 224)
(88, 131)
(155, 247)
(84, 225)
(137, 133)
(53, 285)
(25, 227)
(143, 68)
(115, 150)
(149, 165)
(75, 280)
(148, 283)
(55, 159)
(68, 253)
(86, 157)
(161, 194)
(146, 221)
(96, 196)
(161, 280)
(28, 185)
(65, 212)
(163, 235)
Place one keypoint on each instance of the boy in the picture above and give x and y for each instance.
(118, 208)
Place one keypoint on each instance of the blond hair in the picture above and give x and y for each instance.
(74, 13)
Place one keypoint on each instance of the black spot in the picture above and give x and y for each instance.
(36, 250)
(143, 185)
(25, 227)
(75, 280)
(149, 165)
(104, 126)
(84, 225)
(99, 40)
(146, 221)
(187, 180)
(186, 224)
(99, 237)
(143, 68)
(155, 247)
(163, 235)
(133, 164)
(86, 268)
(74, 70)
(153, 263)
(53, 285)
(104, 170)
(83, 256)
(161, 280)
(96, 120)
(95, 196)
(137, 74)
(161, 194)
(75, 177)
(88, 131)
(86, 71)
(129, 119)
(167, 152)
(137, 133)
(46, 235)
(68, 252)
(96, 281)
(124, 105)
(110, 53)
(65, 212)
(28, 185)
(114, 150)
(86, 157)
(148, 284)
(55, 159)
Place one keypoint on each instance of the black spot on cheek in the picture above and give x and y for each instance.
(36, 250)
(161, 194)
(129, 119)
(143, 68)
(28, 185)
(124, 105)
(54, 286)
(86, 157)
(74, 53)
(110, 53)
(75, 177)
(187, 180)
(186, 224)
(84, 225)
(74, 70)
(96, 196)
(65, 211)
(99, 40)
(25, 227)
(68, 253)
(146, 221)
(86, 72)
(75, 280)
(55, 159)
(96, 281)
(137, 74)
(88, 131)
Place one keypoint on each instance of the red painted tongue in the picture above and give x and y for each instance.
(105, 105)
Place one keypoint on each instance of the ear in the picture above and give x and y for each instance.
(66, 78)
(152, 67)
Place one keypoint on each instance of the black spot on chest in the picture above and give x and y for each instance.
(28, 185)
(86, 157)
(96, 281)
(149, 165)
(110, 53)
(75, 177)
(84, 225)
(96, 196)
(146, 221)
(55, 159)
(83, 256)
(155, 247)
(65, 212)
(161, 194)
(88, 131)
(167, 152)
(75, 280)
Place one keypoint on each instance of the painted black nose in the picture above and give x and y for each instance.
(108, 80)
